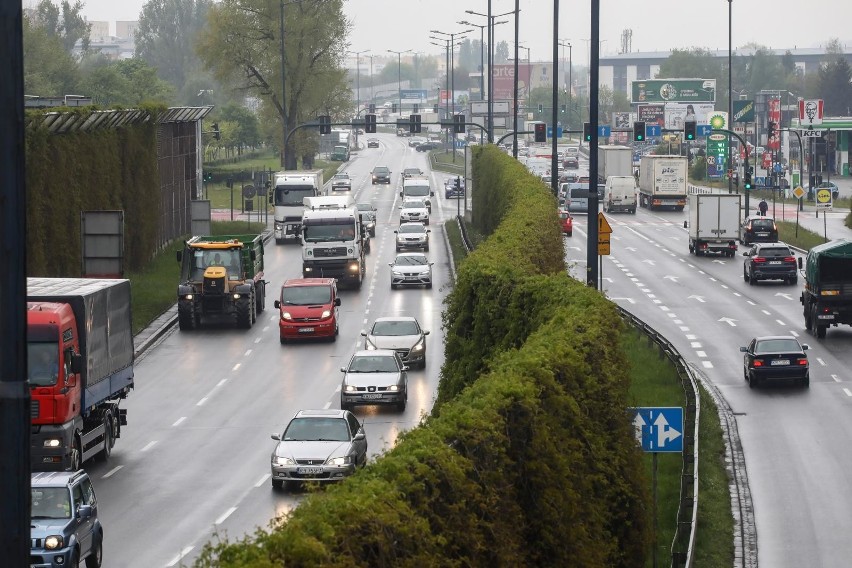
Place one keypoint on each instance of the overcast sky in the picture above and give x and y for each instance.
(379, 25)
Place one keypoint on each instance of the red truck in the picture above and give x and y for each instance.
(80, 367)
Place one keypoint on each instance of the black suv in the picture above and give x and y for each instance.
(381, 174)
(770, 261)
(64, 527)
(758, 230)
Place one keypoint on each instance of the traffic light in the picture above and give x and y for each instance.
(435, 108)
(540, 107)
(414, 123)
(458, 127)
(689, 130)
(770, 131)
(325, 124)
(639, 131)
(393, 107)
(370, 123)
(563, 108)
(372, 108)
(540, 132)
(747, 181)
(216, 133)
(587, 131)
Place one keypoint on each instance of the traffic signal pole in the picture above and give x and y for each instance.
(594, 82)
(746, 174)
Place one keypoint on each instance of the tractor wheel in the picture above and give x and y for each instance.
(186, 317)
(260, 295)
(243, 308)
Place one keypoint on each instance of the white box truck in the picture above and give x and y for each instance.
(289, 189)
(662, 182)
(620, 194)
(614, 161)
(714, 223)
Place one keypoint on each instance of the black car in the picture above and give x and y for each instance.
(571, 162)
(770, 261)
(426, 146)
(775, 358)
(758, 230)
(381, 174)
(373, 143)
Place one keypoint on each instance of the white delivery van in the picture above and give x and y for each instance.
(418, 186)
(620, 194)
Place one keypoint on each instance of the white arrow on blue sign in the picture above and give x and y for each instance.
(558, 132)
(659, 429)
(653, 130)
(604, 131)
(703, 129)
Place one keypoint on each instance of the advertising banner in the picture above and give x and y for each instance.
(678, 113)
(504, 81)
(621, 120)
(773, 114)
(413, 94)
(674, 90)
(743, 111)
(651, 114)
(810, 112)
(717, 146)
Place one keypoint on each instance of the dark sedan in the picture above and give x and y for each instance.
(426, 146)
(775, 358)
(758, 230)
(381, 174)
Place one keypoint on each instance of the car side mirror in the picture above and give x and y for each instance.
(360, 435)
(425, 332)
(404, 367)
(363, 333)
(805, 346)
(84, 512)
(390, 264)
(431, 194)
(428, 230)
(337, 301)
(743, 349)
(76, 363)
(431, 264)
(276, 437)
(179, 255)
(342, 369)
(277, 304)
(400, 194)
(396, 231)
(745, 253)
(800, 263)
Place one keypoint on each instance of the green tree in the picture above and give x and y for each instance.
(128, 82)
(764, 70)
(501, 53)
(64, 22)
(49, 69)
(241, 46)
(165, 39)
(835, 87)
(243, 126)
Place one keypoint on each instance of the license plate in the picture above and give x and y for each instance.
(825, 317)
(762, 234)
(309, 470)
(780, 362)
(774, 262)
(371, 396)
(306, 330)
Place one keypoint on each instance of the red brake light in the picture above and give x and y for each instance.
(789, 259)
(803, 361)
(758, 363)
(759, 259)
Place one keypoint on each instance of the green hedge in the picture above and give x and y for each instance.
(528, 458)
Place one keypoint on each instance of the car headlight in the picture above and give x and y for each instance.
(396, 272)
(188, 297)
(278, 226)
(286, 316)
(52, 443)
(351, 388)
(394, 388)
(354, 267)
(53, 542)
(419, 345)
(339, 461)
(283, 460)
(325, 314)
(236, 296)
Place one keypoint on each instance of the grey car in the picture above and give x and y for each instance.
(412, 235)
(403, 334)
(318, 445)
(367, 212)
(341, 182)
(374, 377)
(411, 269)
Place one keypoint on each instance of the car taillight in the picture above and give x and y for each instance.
(758, 363)
(803, 361)
(789, 259)
(759, 259)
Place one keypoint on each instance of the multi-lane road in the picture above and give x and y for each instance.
(194, 458)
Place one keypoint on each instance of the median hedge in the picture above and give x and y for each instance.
(528, 458)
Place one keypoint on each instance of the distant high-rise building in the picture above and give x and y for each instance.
(126, 30)
(99, 31)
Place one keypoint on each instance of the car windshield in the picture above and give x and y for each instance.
(42, 363)
(411, 260)
(774, 252)
(373, 364)
(381, 171)
(411, 229)
(364, 206)
(330, 231)
(396, 328)
(229, 259)
(50, 503)
(416, 190)
(292, 196)
(316, 430)
(341, 176)
(305, 295)
(777, 346)
(412, 171)
(768, 224)
(417, 203)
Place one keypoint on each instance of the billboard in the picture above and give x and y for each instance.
(773, 114)
(674, 90)
(651, 114)
(678, 113)
(621, 120)
(503, 77)
(416, 95)
(743, 111)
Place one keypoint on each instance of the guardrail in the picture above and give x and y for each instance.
(683, 543)
(442, 167)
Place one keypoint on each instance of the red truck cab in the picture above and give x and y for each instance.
(566, 222)
(308, 308)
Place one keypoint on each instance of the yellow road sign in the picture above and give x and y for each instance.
(799, 192)
(603, 225)
(603, 243)
(823, 197)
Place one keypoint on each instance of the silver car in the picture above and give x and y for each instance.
(403, 334)
(374, 377)
(412, 235)
(341, 182)
(411, 269)
(318, 445)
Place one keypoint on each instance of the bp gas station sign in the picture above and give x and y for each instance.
(717, 146)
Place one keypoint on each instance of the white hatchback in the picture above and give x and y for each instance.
(414, 209)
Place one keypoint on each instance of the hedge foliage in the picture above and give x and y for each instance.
(528, 458)
(78, 171)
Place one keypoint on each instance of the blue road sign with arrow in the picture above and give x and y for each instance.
(703, 129)
(660, 429)
(653, 130)
(550, 131)
(604, 131)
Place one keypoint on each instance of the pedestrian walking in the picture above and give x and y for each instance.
(763, 207)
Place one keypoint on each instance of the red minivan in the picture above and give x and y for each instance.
(308, 309)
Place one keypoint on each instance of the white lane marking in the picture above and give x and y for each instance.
(222, 382)
(724, 286)
(111, 472)
(691, 337)
(327, 405)
(179, 421)
(713, 279)
(684, 328)
(149, 445)
(236, 367)
(672, 315)
(273, 318)
(247, 353)
(257, 339)
(765, 312)
(652, 295)
(201, 402)
(179, 557)
(695, 344)
(225, 515)
(263, 479)
(781, 322)
(836, 378)
(677, 322)
(664, 308)
(737, 294)
(337, 389)
(707, 364)
(701, 354)
(793, 333)
(750, 302)
(820, 361)
(847, 391)
(658, 301)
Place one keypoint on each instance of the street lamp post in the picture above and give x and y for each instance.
(481, 55)
(452, 71)
(731, 100)
(358, 87)
(567, 44)
(399, 74)
(371, 77)
(447, 84)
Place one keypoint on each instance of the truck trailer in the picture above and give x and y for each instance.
(662, 182)
(80, 367)
(714, 223)
(289, 190)
(827, 295)
(614, 161)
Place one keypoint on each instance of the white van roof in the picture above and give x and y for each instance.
(329, 202)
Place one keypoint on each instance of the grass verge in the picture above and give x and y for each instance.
(798, 237)
(154, 289)
(443, 162)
